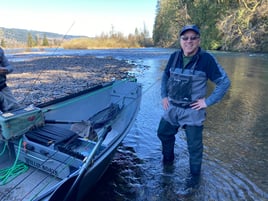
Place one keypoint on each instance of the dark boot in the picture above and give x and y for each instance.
(192, 183)
(166, 133)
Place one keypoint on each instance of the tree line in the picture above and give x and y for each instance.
(36, 41)
(112, 39)
(230, 25)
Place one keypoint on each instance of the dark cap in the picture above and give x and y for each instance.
(188, 28)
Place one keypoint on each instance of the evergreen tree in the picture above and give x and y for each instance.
(36, 40)
(30, 42)
(45, 41)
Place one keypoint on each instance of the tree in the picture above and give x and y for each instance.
(36, 40)
(30, 41)
(3, 44)
(245, 28)
(45, 41)
(166, 27)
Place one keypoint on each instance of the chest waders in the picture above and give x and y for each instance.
(180, 91)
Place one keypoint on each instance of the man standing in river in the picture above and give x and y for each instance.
(183, 92)
(7, 100)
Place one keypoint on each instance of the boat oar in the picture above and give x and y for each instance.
(72, 183)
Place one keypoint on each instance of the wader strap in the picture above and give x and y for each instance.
(175, 60)
(194, 65)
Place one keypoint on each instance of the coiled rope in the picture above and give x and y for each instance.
(8, 174)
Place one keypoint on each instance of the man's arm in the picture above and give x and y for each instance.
(222, 83)
(5, 66)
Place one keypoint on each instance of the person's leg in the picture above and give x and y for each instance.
(195, 148)
(166, 133)
(8, 101)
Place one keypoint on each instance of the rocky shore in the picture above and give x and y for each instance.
(43, 79)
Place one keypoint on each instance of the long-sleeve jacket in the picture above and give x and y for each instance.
(206, 67)
(4, 63)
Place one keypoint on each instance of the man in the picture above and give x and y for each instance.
(183, 91)
(7, 100)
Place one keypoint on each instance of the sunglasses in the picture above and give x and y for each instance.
(185, 38)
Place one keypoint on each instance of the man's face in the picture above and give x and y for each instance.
(190, 43)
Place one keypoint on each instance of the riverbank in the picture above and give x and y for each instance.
(42, 79)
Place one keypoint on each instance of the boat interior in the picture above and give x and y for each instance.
(44, 156)
(40, 147)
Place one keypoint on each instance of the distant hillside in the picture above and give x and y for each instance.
(18, 37)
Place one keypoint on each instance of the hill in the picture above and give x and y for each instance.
(12, 37)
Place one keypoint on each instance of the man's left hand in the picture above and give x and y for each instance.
(199, 104)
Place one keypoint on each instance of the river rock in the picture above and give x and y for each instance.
(42, 79)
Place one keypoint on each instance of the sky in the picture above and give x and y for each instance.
(79, 17)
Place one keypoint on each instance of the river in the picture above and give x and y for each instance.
(235, 136)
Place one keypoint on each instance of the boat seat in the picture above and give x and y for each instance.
(50, 134)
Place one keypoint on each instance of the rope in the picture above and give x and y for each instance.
(4, 149)
(8, 174)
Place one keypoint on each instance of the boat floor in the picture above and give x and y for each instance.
(27, 185)
(34, 182)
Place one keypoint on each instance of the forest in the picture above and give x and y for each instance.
(228, 25)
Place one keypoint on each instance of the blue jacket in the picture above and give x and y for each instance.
(4, 63)
(206, 68)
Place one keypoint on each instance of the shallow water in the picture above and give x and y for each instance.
(235, 136)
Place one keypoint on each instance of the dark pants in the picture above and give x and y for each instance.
(166, 133)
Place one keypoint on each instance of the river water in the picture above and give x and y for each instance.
(235, 136)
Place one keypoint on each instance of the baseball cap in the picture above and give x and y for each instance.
(190, 27)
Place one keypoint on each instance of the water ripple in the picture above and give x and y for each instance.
(222, 184)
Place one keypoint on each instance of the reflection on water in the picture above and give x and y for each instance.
(235, 138)
(240, 129)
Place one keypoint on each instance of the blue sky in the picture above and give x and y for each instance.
(79, 17)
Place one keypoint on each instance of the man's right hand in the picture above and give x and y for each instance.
(165, 103)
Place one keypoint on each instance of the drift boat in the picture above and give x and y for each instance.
(60, 149)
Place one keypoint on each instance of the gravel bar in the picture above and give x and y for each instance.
(42, 79)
